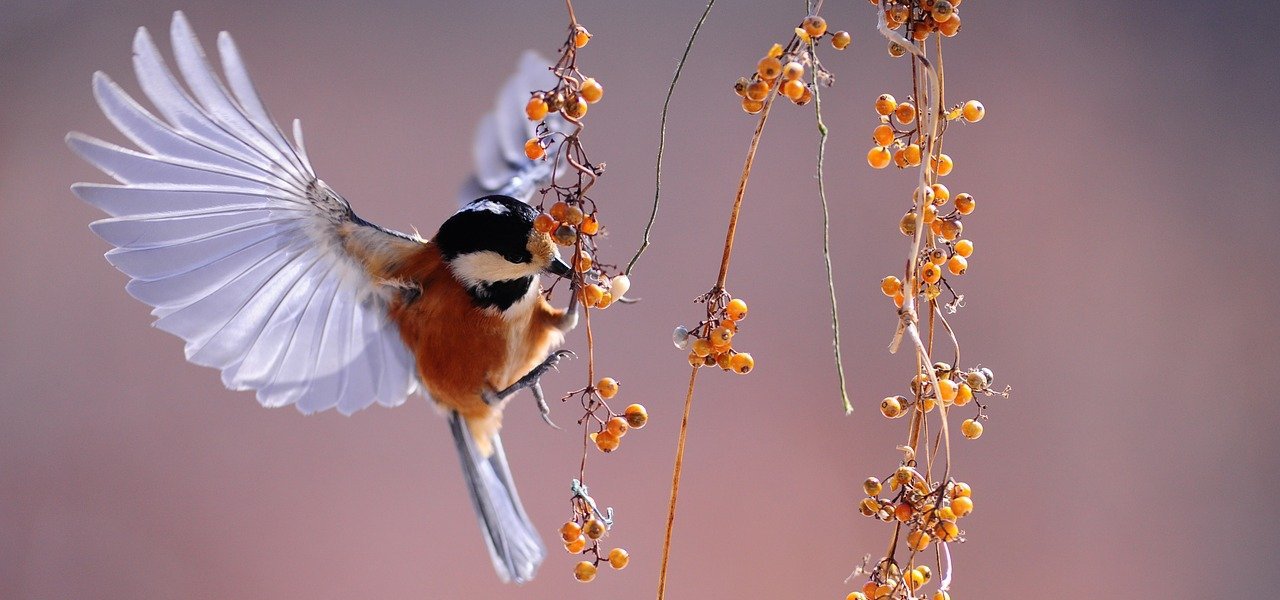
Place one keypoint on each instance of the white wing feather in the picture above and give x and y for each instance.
(501, 166)
(224, 228)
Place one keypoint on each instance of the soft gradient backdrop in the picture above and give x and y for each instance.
(1123, 284)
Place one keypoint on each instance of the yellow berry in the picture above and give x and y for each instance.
(570, 531)
(814, 25)
(592, 294)
(908, 224)
(721, 336)
(533, 149)
(576, 546)
(591, 90)
(918, 540)
(775, 51)
(581, 36)
(637, 417)
(942, 165)
(701, 347)
(891, 407)
(883, 134)
(913, 578)
(911, 154)
(584, 571)
(607, 388)
(856, 596)
(962, 506)
(792, 70)
(957, 265)
(924, 570)
(940, 193)
(961, 490)
(886, 104)
(963, 395)
(840, 40)
(964, 204)
(868, 506)
(946, 531)
(872, 486)
(947, 390)
(742, 363)
(536, 109)
(607, 442)
(769, 68)
(890, 285)
(964, 248)
(973, 111)
(736, 310)
(930, 209)
(940, 595)
(618, 558)
(930, 273)
(945, 513)
(971, 429)
(905, 113)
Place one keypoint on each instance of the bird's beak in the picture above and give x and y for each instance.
(558, 268)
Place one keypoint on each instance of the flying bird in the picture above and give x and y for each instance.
(222, 225)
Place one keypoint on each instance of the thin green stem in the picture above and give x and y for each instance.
(662, 138)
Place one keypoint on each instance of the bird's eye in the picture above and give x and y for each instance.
(513, 258)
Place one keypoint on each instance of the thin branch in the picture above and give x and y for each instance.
(675, 486)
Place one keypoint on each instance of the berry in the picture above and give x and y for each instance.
(591, 90)
(971, 429)
(618, 558)
(757, 91)
(891, 407)
(583, 264)
(973, 111)
(957, 265)
(963, 395)
(590, 226)
(607, 388)
(742, 363)
(721, 336)
(701, 347)
(890, 285)
(570, 531)
(918, 540)
(840, 40)
(947, 390)
(736, 310)
(619, 285)
(574, 108)
(942, 11)
(942, 165)
(636, 416)
(580, 37)
(856, 596)
(905, 113)
(606, 442)
(886, 104)
(940, 193)
(950, 230)
(536, 109)
(962, 506)
(950, 27)
(964, 248)
(936, 256)
(961, 490)
(695, 361)
(946, 531)
(908, 224)
(872, 486)
(558, 210)
(814, 25)
(752, 107)
(883, 134)
(903, 512)
(792, 70)
(543, 223)
(930, 273)
(593, 529)
(794, 89)
(617, 426)
(564, 235)
(769, 68)
(592, 294)
(584, 571)
(533, 149)
(965, 204)
(941, 595)
(878, 157)
(911, 154)
(868, 506)
(576, 546)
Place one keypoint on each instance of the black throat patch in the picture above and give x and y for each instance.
(500, 294)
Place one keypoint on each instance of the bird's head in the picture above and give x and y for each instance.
(490, 244)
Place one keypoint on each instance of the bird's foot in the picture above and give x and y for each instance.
(531, 381)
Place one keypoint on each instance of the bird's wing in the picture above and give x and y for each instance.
(501, 166)
(225, 229)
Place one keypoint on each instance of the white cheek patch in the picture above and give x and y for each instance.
(487, 266)
(486, 205)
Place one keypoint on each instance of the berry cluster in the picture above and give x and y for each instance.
(922, 18)
(955, 388)
(584, 533)
(782, 70)
(710, 343)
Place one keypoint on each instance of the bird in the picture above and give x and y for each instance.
(266, 272)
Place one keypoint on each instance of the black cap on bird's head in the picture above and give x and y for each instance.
(492, 239)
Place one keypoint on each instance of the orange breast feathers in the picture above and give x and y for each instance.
(461, 350)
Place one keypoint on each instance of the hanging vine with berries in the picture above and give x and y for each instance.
(569, 214)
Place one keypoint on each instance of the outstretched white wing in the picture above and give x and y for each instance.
(501, 166)
(224, 228)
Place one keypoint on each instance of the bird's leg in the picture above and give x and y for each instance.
(531, 380)
(570, 318)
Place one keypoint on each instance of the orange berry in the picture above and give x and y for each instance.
(946, 531)
(581, 36)
(742, 363)
(961, 490)
(878, 157)
(695, 361)
(930, 273)
(769, 68)
(617, 426)
(792, 70)
(584, 571)
(637, 417)
(940, 193)
(898, 299)
(913, 578)
(804, 98)
(736, 310)
(891, 407)
(868, 506)
(930, 211)
(941, 595)
(973, 111)
(590, 226)
(971, 429)
(908, 224)
(942, 165)
(965, 204)
(964, 248)
(947, 390)
(890, 285)
(872, 486)
(883, 134)
(722, 360)
(607, 442)
(576, 546)
(721, 336)
(536, 109)
(911, 154)
(942, 11)
(564, 235)
(607, 388)
(570, 531)
(593, 529)
(574, 108)
(957, 265)
(886, 104)
(905, 113)
(903, 512)
(543, 223)
(618, 558)
(918, 540)
(533, 149)
(558, 210)
(951, 26)
(591, 90)
(592, 294)
(814, 25)
(920, 31)
(856, 596)
(793, 89)
(962, 506)
(573, 216)
(752, 107)
(950, 230)
(701, 347)
(964, 394)
(840, 40)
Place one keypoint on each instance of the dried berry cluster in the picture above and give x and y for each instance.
(783, 69)
(710, 342)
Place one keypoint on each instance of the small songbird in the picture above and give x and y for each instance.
(267, 274)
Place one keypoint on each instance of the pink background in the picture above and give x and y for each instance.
(1123, 284)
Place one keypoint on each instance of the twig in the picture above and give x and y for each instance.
(675, 487)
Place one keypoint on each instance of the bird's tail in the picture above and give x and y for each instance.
(514, 545)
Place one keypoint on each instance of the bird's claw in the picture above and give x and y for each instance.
(543, 410)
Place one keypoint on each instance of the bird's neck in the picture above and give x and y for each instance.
(501, 295)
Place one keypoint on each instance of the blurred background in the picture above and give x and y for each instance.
(1121, 284)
